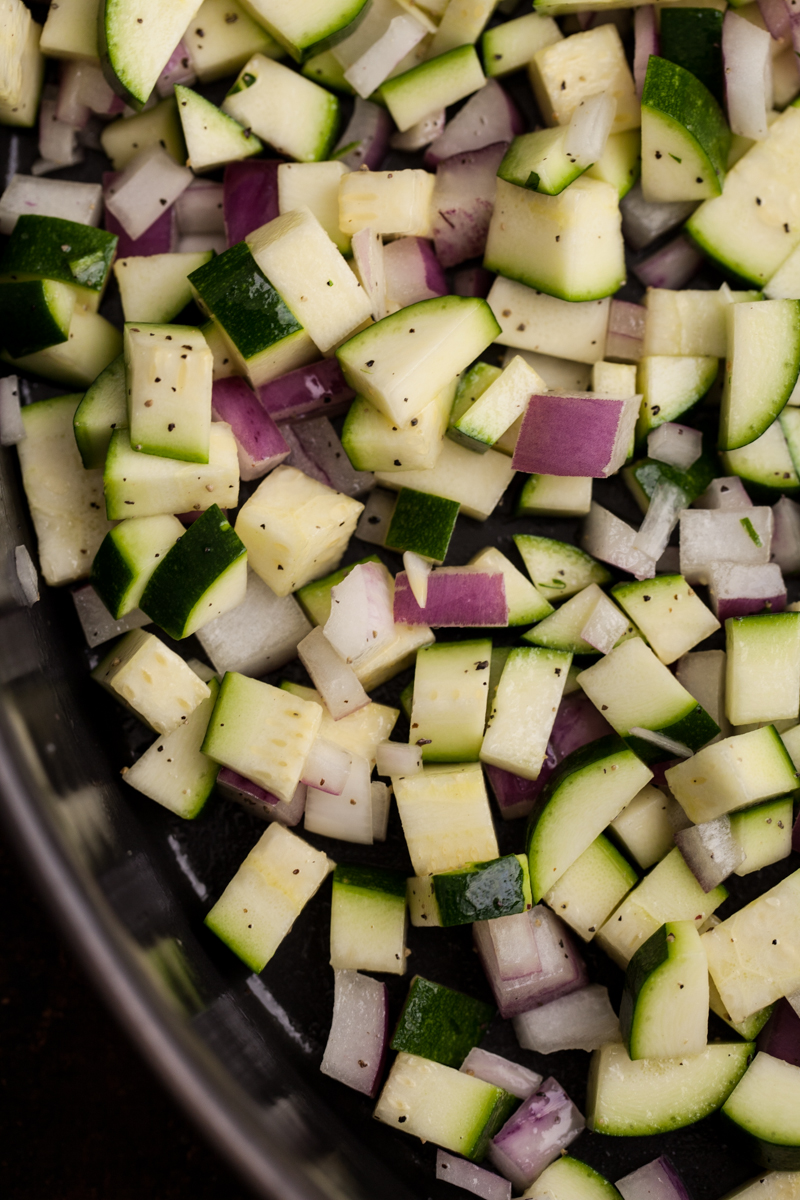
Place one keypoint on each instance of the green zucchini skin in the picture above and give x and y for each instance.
(692, 38)
(439, 1023)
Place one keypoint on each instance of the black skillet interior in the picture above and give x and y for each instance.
(132, 884)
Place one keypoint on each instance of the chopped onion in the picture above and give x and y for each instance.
(473, 281)
(710, 850)
(677, 445)
(663, 513)
(747, 60)
(27, 575)
(471, 1177)
(737, 589)
(308, 391)
(200, 208)
(775, 15)
(315, 443)
(347, 816)
(501, 1072)
(58, 142)
(785, 536)
(723, 535)
(356, 1049)
(644, 220)
(463, 201)
(625, 335)
(583, 1020)
(727, 492)
(421, 134)
(417, 571)
(671, 266)
(364, 141)
(667, 744)
(178, 69)
(413, 273)
(606, 625)
(96, 621)
(506, 950)
(368, 258)
(657, 1180)
(250, 196)
(589, 128)
(332, 677)
(398, 758)
(82, 202)
(376, 64)
(458, 597)
(381, 795)
(360, 620)
(645, 30)
(516, 796)
(259, 443)
(611, 540)
(544, 1125)
(513, 943)
(12, 429)
(489, 116)
(160, 238)
(327, 767)
(151, 182)
(255, 799)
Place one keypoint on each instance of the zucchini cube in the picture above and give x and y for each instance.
(669, 613)
(567, 71)
(174, 772)
(440, 1024)
(763, 668)
(295, 116)
(263, 335)
(295, 528)
(127, 558)
(262, 732)
(154, 288)
(437, 83)
(451, 684)
(524, 709)
(422, 523)
(34, 315)
(169, 375)
(387, 202)
(66, 251)
(368, 920)
(312, 276)
(446, 817)
(267, 894)
(483, 891)
(203, 575)
(212, 137)
(685, 137)
(103, 409)
(589, 891)
(151, 680)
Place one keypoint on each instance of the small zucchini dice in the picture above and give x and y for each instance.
(152, 680)
(440, 1024)
(169, 375)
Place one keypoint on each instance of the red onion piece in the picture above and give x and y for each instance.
(258, 440)
(381, 795)
(299, 458)
(585, 19)
(786, 535)
(250, 192)
(259, 635)
(657, 1180)
(398, 758)
(710, 851)
(58, 141)
(780, 1037)
(625, 336)
(150, 183)
(421, 134)
(470, 1177)
(376, 64)
(776, 18)
(643, 220)
(256, 800)
(506, 950)
(611, 540)
(200, 208)
(472, 281)
(672, 266)
(747, 61)
(489, 116)
(320, 443)
(347, 816)
(663, 513)
(366, 138)
(501, 1072)
(578, 434)
(178, 69)
(356, 1049)
(308, 391)
(645, 31)
(331, 676)
(720, 535)
(726, 492)
(463, 201)
(457, 597)
(72, 107)
(544, 1125)
(361, 620)
(583, 1020)
(737, 590)
(589, 127)
(327, 767)
(516, 796)
(412, 272)
(160, 238)
(677, 445)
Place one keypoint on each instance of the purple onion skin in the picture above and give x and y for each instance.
(255, 431)
(460, 228)
(670, 267)
(705, 870)
(160, 238)
(473, 281)
(547, 444)
(516, 796)
(255, 799)
(659, 777)
(309, 391)
(780, 1037)
(533, 1121)
(651, 1178)
(471, 599)
(743, 606)
(250, 196)
(434, 275)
